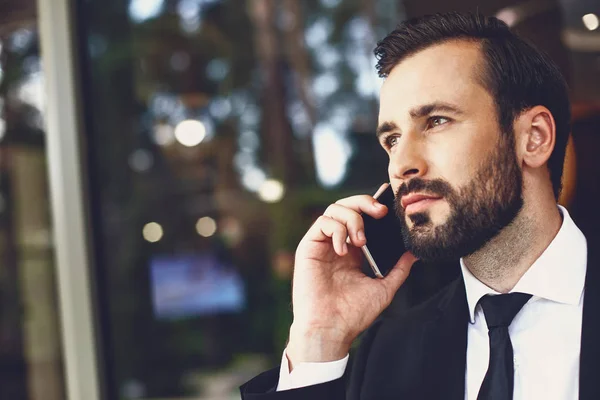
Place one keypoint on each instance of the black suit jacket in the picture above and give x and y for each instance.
(422, 354)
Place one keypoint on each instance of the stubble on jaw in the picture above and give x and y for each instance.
(480, 210)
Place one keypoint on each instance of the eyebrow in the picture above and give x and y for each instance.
(385, 128)
(420, 112)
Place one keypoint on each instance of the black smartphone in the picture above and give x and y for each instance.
(385, 244)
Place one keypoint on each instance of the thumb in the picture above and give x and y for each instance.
(396, 277)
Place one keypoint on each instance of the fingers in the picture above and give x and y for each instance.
(342, 221)
(327, 227)
(347, 211)
(351, 221)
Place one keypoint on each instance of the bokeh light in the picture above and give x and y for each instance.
(141, 10)
(331, 155)
(141, 160)
(231, 230)
(253, 178)
(220, 108)
(271, 191)
(206, 227)
(217, 69)
(325, 85)
(249, 141)
(591, 21)
(164, 134)
(318, 32)
(190, 132)
(152, 232)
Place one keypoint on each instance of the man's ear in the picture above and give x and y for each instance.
(536, 135)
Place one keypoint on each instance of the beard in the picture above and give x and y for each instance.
(478, 211)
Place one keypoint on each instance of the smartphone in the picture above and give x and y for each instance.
(385, 244)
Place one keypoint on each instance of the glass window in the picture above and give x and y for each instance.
(30, 346)
(217, 130)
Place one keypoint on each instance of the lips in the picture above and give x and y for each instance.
(413, 198)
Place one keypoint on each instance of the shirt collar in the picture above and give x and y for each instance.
(557, 275)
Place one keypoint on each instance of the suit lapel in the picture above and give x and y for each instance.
(446, 338)
(589, 382)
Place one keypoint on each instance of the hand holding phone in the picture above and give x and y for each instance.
(333, 300)
(385, 244)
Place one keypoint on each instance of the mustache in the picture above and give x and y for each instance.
(435, 187)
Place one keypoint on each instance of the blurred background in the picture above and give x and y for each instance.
(210, 134)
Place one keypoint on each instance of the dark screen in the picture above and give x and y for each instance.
(384, 236)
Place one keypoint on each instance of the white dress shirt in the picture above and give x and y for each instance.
(545, 334)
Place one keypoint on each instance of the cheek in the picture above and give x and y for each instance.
(458, 164)
(454, 168)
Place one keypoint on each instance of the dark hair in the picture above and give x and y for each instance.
(516, 74)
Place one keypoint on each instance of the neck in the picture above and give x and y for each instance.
(502, 262)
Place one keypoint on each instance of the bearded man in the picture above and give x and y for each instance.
(475, 122)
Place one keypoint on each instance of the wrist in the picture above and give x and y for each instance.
(314, 345)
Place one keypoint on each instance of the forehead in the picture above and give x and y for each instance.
(446, 72)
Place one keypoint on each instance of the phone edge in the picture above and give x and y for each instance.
(371, 261)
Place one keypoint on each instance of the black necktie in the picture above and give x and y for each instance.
(499, 312)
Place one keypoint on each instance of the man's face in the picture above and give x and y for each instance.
(439, 127)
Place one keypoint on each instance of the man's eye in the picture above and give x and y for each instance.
(437, 121)
(391, 141)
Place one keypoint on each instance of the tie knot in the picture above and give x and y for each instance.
(500, 310)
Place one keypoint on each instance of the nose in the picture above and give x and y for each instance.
(407, 162)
